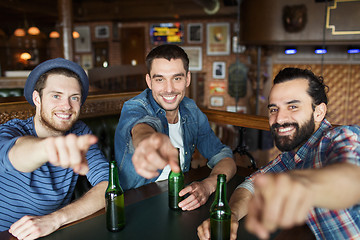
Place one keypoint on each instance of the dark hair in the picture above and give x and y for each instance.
(167, 51)
(40, 84)
(317, 89)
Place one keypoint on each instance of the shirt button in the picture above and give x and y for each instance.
(185, 152)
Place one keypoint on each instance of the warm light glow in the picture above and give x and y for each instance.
(25, 56)
(20, 32)
(33, 31)
(54, 34)
(76, 35)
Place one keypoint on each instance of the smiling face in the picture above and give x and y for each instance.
(291, 116)
(168, 81)
(59, 106)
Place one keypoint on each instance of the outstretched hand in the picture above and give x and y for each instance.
(280, 201)
(70, 151)
(154, 153)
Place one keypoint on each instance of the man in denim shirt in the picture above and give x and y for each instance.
(159, 120)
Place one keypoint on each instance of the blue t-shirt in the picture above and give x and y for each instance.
(46, 189)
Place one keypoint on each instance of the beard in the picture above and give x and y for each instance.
(50, 124)
(301, 135)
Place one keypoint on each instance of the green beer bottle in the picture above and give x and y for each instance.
(175, 184)
(114, 197)
(220, 213)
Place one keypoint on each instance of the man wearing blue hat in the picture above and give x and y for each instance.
(42, 156)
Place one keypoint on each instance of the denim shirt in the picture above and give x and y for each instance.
(196, 129)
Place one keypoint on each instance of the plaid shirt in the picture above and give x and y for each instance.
(326, 146)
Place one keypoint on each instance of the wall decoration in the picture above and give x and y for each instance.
(218, 39)
(195, 58)
(86, 61)
(240, 109)
(83, 43)
(216, 101)
(194, 32)
(102, 31)
(219, 70)
(294, 18)
(217, 87)
(238, 76)
(339, 24)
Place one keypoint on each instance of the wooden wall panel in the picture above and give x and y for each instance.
(353, 104)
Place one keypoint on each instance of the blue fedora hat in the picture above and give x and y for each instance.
(52, 64)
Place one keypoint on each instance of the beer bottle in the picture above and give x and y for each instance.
(175, 184)
(220, 213)
(114, 197)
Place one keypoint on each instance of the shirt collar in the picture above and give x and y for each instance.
(313, 140)
(153, 103)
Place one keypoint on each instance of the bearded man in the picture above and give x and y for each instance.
(315, 178)
(42, 156)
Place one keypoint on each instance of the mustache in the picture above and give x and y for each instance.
(277, 125)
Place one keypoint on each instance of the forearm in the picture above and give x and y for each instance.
(225, 166)
(239, 202)
(140, 132)
(28, 154)
(91, 202)
(334, 186)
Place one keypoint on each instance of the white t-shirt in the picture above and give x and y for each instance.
(175, 133)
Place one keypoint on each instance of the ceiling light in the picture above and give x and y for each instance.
(33, 31)
(25, 56)
(290, 51)
(76, 35)
(320, 51)
(19, 32)
(54, 34)
(353, 50)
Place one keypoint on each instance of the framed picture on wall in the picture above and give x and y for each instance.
(83, 43)
(219, 70)
(102, 31)
(218, 39)
(216, 101)
(194, 32)
(195, 58)
(217, 87)
(86, 61)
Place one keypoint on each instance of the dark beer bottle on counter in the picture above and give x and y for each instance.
(114, 197)
(220, 213)
(175, 185)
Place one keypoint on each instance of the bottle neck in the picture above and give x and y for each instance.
(178, 162)
(113, 175)
(220, 195)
